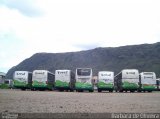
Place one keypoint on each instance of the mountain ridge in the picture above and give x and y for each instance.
(144, 57)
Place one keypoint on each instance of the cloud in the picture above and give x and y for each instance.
(67, 26)
(87, 46)
(26, 7)
(10, 48)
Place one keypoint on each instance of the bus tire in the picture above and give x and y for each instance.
(78, 90)
(61, 90)
(121, 91)
(71, 90)
(111, 91)
(90, 90)
(23, 89)
(99, 90)
(81, 90)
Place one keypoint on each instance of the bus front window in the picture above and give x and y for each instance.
(83, 72)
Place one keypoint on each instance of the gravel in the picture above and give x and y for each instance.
(78, 102)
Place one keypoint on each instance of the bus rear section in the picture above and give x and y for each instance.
(84, 80)
(9, 83)
(43, 80)
(105, 81)
(147, 81)
(64, 80)
(158, 84)
(22, 80)
(127, 80)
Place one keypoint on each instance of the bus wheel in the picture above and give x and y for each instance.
(71, 90)
(90, 90)
(149, 91)
(110, 90)
(23, 89)
(99, 90)
(121, 91)
(132, 91)
(61, 90)
(81, 90)
(51, 89)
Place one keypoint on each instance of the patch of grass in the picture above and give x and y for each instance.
(4, 86)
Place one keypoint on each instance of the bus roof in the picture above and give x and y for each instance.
(149, 73)
(42, 71)
(22, 71)
(107, 71)
(83, 68)
(125, 70)
(63, 70)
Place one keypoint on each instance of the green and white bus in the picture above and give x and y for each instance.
(64, 80)
(22, 80)
(105, 81)
(42, 80)
(147, 81)
(127, 80)
(84, 80)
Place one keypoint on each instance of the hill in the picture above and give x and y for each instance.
(145, 57)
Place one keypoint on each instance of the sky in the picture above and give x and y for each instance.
(55, 26)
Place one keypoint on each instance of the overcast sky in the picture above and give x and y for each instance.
(54, 26)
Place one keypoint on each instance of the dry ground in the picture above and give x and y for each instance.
(73, 102)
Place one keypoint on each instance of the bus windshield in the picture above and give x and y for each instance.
(83, 72)
(130, 74)
(40, 75)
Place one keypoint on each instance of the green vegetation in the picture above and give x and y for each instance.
(4, 86)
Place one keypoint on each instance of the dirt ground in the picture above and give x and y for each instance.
(73, 102)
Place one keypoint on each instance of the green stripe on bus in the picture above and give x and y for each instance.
(19, 83)
(80, 85)
(104, 85)
(59, 83)
(128, 85)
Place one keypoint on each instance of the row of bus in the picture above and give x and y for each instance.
(61, 80)
(127, 80)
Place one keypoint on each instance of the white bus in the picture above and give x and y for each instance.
(105, 81)
(22, 80)
(147, 81)
(64, 80)
(127, 80)
(43, 79)
(84, 80)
